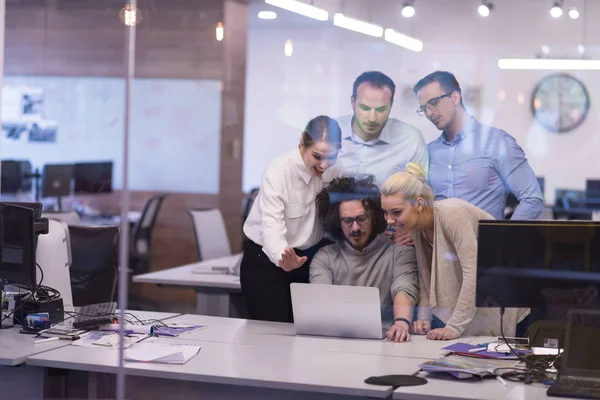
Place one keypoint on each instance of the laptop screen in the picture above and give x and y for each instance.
(582, 349)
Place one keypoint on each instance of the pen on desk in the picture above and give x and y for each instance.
(51, 339)
(477, 349)
(501, 380)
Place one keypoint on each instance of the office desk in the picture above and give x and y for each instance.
(244, 371)
(213, 291)
(282, 335)
(15, 348)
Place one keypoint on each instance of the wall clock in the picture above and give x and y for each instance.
(560, 103)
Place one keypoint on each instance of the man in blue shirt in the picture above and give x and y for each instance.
(472, 161)
(372, 142)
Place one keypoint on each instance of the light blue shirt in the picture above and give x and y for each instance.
(481, 166)
(397, 144)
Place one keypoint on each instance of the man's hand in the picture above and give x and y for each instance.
(441, 334)
(421, 327)
(399, 332)
(290, 261)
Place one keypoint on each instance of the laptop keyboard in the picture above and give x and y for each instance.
(582, 383)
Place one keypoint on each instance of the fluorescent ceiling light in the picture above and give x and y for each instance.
(267, 14)
(300, 8)
(357, 25)
(548, 64)
(403, 40)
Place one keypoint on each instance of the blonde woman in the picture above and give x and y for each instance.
(445, 238)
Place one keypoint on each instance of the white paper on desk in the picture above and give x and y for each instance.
(161, 353)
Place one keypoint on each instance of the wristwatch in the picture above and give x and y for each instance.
(403, 320)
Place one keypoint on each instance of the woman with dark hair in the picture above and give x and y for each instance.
(349, 209)
(282, 229)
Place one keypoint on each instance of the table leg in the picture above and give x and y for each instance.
(93, 385)
(212, 303)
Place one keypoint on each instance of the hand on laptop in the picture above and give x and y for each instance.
(421, 327)
(290, 261)
(399, 332)
(441, 334)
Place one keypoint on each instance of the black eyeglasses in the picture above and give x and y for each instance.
(347, 222)
(432, 104)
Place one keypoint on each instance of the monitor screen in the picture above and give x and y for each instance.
(56, 180)
(547, 265)
(93, 177)
(17, 245)
(15, 176)
(592, 188)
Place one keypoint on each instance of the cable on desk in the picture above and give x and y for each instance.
(536, 373)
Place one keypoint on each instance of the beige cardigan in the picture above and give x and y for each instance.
(447, 276)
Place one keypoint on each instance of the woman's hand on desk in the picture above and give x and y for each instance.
(399, 332)
(290, 261)
(441, 334)
(421, 327)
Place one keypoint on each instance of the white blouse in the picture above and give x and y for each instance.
(284, 213)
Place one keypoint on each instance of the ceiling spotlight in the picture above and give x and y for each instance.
(573, 13)
(267, 15)
(485, 8)
(545, 50)
(581, 49)
(408, 11)
(557, 9)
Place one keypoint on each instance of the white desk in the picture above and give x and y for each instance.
(15, 348)
(265, 368)
(213, 291)
(282, 335)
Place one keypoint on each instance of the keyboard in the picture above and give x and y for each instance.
(94, 315)
(581, 383)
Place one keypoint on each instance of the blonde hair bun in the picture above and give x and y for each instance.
(415, 170)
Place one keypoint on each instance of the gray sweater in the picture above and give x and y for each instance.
(381, 264)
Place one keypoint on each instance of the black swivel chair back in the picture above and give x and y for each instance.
(141, 235)
(94, 268)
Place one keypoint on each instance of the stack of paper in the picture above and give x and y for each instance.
(176, 330)
(161, 353)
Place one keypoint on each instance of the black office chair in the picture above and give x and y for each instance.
(95, 261)
(141, 235)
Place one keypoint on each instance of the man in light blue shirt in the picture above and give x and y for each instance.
(474, 162)
(373, 143)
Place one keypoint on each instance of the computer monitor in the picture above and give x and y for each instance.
(17, 245)
(56, 180)
(15, 176)
(592, 188)
(93, 177)
(547, 265)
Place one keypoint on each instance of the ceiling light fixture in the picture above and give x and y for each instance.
(300, 8)
(557, 9)
(288, 48)
(573, 13)
(220, 31)
(267, 15)
(485, 8)
(581, 48)
(548, 64)
(402, 40)
(357, 26)
(408, 9)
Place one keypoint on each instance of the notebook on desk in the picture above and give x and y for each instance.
(337, 310)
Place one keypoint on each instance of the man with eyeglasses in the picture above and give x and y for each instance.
(349, 210)
(373, 143)
(472, 161)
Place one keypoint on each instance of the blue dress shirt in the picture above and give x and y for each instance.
(481, 166)
(397, 144)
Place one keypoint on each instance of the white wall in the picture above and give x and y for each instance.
(283, 93)
(174, 138)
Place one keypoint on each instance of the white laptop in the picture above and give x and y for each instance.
(223, 265)
(337, 310)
